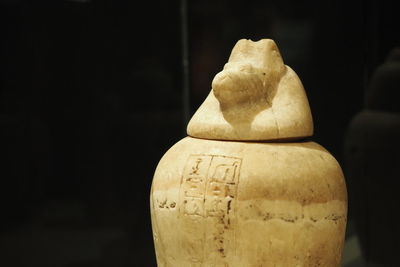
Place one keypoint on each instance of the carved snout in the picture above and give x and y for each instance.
(237, 86)
(225, 86)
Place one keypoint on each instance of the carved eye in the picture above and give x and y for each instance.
(246, 68)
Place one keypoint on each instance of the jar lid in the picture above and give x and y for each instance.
(256, 97)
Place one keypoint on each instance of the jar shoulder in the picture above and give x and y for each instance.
(302, 171)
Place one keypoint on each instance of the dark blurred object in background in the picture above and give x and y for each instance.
(372, 165)
(91, 98)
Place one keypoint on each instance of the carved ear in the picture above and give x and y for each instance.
(263, 54)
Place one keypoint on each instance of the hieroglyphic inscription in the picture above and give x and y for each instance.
(207, 193)
(193, 185)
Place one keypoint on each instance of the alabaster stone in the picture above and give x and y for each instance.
(255, 97)
(242, 202)
(221, 203)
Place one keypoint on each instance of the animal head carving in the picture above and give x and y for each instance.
(249, 77)
(255, 97)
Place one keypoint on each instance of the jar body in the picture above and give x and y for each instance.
(244, 204)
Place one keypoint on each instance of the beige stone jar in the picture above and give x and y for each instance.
(243, 189)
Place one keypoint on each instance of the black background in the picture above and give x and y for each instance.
(91, 98)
